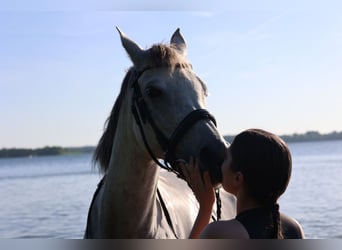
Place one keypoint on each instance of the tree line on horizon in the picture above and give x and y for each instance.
(49, 151)
(306, 137)
(46, 151)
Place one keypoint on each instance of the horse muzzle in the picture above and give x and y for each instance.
(211, 159)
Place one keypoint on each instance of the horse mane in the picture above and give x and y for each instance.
(103, 150)
(160, 55)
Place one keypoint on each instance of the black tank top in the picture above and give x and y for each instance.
(259, 224)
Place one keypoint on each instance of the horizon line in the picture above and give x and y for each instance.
(226, 135)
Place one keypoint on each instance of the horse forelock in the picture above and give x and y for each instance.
(162, 55)
(103, 150)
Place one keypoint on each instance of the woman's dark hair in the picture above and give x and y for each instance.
(265, 162)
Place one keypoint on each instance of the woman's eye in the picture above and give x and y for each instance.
(153, 91)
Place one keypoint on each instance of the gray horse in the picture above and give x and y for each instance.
(159, 114)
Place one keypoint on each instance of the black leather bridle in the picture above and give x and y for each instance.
(142, 115)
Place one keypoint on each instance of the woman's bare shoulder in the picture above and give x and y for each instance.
(231, 229)
(291, 227)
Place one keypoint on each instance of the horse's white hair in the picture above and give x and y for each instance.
(135, 199)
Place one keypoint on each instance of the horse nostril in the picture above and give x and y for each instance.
(211, 159)
(205, 157)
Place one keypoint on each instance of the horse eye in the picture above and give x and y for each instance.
(153, 91)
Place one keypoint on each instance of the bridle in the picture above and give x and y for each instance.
(142, 116)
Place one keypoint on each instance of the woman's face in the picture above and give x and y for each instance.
(228, 175)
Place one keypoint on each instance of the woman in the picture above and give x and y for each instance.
(257, 170)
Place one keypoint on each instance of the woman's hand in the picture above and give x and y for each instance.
(200, 185)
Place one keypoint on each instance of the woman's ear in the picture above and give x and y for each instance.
(235, 184)
(239, 179)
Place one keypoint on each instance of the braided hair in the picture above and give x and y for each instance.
(265, 162)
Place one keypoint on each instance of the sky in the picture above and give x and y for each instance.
(275, 66)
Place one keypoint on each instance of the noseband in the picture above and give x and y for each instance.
(142, 115)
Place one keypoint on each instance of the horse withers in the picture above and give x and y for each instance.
(158, 114)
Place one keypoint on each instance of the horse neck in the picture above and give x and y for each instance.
(130, 187)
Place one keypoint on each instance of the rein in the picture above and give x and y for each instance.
(142, 115)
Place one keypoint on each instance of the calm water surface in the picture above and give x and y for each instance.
(45, 196)
(314, 195)
(48, 197)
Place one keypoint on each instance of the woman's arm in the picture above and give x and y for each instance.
(204, 193)
(202, 220)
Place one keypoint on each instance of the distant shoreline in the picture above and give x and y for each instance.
(46, 151)
(309, 136)
(50, 151)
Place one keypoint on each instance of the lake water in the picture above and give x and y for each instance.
(48, 197)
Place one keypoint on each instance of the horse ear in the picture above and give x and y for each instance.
(178, 41)
(133, 50)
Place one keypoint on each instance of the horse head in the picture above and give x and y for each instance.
(168, 102)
